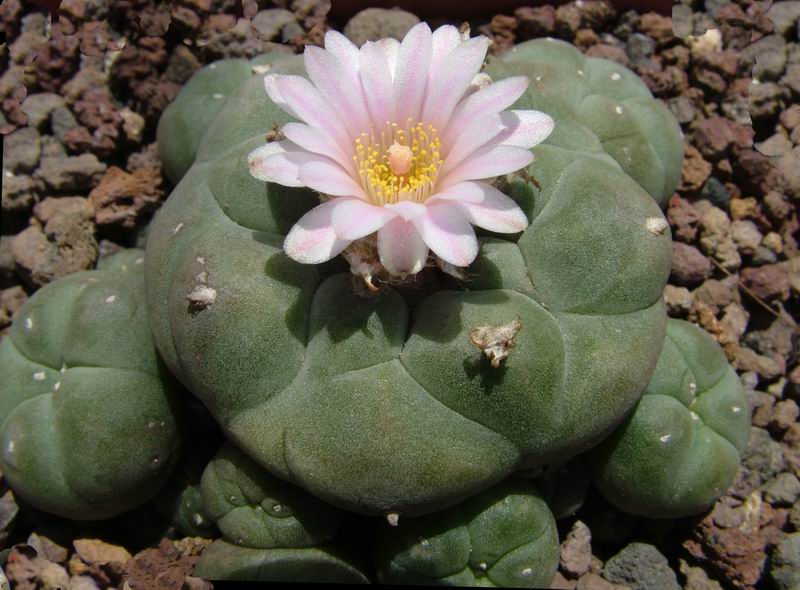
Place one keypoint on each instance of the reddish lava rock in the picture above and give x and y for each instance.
(768, 282)
(121, 199)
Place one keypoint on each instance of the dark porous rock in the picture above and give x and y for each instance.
(757, 174)
(683, 219)
(761, 461)
(658, 27)
(746, 236)
(768, 282)
(789, 172)
(63, 121)
(766, 57)
(181, 65)
(784, 415)
(147, 157)
(59, 241)
(372, 24)
(72, 173)
(8, 275)
(591, 581)
(689, 266)
(678, 300)
(717, 295)
(596, 14)
(784, 490)
(38, 108)
(535, 21)
(738, 554)
(639, 48)
(784, 16)
(683, 108)
(671, 81)
(777, 206)
(11, 300)
(609, 52)
(642, 567)
(121, 199)
(709, 80)
(714, 136)
(47, 548)
(695, 172)
(775, 145)
(791, 80)
(766, 100)
(568, 21)
(746, 359)
(716, 193)
(784, 571)
(20, 193)
(267, 25)
(777, 339)
(697, 578)
(52, 148)
(21, 150)
(763, 405)
(762, 256)
(586, 38)
(576, 551)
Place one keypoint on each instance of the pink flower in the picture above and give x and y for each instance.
(398, 137)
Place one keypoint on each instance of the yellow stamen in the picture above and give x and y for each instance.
(399, 164)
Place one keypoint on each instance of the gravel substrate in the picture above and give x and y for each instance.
(79, 101)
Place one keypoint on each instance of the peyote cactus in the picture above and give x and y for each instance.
(272, 531)
(680, 449)
(504, 537)
(89, 416)
(387, 403)
(603, 109)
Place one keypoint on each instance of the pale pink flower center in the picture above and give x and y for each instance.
(400, 163)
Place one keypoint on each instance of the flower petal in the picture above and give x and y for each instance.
(376, 79)
(274, 93)
(492, 210)
(339, 87)
(444, 40)
(408, 210)
(272, 162)
(455, 74)
(353, 218)
(411, 76)
(312, 239)
(310, 106)
(329, 178)
(475, 134)
(344, 50)
(492, 99)
(315, 140)
(400, 247)
(448, 233)
(488, 162)
(525, 129)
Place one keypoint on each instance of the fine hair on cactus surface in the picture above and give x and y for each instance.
(401, 140)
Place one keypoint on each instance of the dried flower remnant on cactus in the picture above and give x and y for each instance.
(399, 138)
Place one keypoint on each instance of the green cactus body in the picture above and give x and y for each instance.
(186, 119)
(609, 111)
(680, 449)
(504, 537)
(384, 405)
(272, 531)
(88, 425)
(181, 502)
